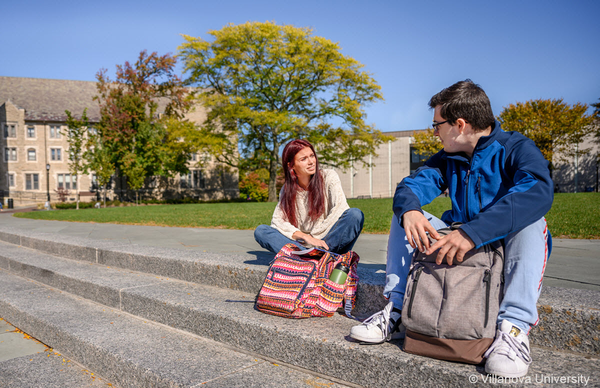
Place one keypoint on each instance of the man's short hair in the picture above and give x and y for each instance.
(465, 100)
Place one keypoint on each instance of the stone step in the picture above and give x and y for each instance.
(569, 318)
(218, 314)
(123, 349)
(216, 269)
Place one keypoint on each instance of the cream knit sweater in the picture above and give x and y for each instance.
(335, 205)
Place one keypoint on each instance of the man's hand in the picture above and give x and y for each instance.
(315, 242)
(416, 227)
(452, 246)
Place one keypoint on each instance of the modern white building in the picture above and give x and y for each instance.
(397, 160)
(394, 161)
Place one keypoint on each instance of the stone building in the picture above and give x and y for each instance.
(34, 148)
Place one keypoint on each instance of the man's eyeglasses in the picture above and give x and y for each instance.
(436, 125)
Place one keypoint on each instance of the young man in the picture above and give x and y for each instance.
(500, 188)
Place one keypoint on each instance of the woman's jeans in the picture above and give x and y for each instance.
(525, 256)
(340, 238)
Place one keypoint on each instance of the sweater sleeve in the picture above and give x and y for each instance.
(336, 204)
(280, 222)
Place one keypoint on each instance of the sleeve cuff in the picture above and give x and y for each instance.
(472, 235)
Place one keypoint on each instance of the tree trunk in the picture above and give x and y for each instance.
(104, 194)
(273, 173)
(77, 191)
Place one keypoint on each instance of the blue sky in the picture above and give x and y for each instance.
(516, 50)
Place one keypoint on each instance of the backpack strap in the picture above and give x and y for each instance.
(351, 259)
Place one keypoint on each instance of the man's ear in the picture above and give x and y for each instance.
(462, 125)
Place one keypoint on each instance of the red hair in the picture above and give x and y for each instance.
(316, 193)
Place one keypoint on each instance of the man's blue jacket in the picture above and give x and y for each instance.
(504, 187)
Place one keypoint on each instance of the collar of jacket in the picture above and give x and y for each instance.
(483, 143)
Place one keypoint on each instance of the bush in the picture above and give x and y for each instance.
(253, 185)
(73, 205)
(117, 203)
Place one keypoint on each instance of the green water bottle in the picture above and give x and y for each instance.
(339, 274)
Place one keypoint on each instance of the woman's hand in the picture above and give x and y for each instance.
(317, 243)
(307, 238)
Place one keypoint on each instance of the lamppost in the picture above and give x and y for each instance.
(48, 182)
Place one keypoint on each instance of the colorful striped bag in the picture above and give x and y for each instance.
(297, 284)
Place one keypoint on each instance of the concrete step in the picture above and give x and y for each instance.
(218, 314)
(215, 269)
(569, 318)
(123, 349)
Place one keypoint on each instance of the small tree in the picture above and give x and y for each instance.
(553, 125)
(76, 137)
(100, 162)
(131, 128)
(266, 84)
(62, 194)
(133, 167)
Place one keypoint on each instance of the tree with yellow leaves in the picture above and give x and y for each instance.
(554, 126)
(266, 84)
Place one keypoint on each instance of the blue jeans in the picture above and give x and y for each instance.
(340, 238)
(525, 255)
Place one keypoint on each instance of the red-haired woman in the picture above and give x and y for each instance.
(312, 208)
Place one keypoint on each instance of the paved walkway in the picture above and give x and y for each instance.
(14, 344)
(573, 263)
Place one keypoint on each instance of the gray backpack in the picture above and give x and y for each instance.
(450, 311)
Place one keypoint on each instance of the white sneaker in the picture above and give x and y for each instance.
(380, 327)
(509, 354)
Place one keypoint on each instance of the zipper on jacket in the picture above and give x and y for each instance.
(479, 192)
(414, 289)
(487, 278)
(467, 194)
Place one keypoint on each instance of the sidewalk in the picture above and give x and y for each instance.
(572, 264)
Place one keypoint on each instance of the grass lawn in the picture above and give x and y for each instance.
(571, 216)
